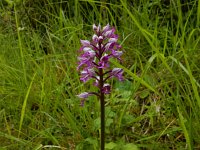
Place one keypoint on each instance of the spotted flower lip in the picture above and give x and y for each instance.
(94, 59)
(106, 88)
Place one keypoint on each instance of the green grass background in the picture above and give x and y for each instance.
(157, 107)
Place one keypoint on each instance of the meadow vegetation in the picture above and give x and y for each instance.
(157, 106)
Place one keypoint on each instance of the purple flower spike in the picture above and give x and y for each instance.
(94, 60)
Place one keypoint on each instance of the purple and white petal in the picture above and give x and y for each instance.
(109, 33)
(109, 46)
(104, 62)
(113, 40)
(96, 83)
(117, 54)
(95, 38)
(100, 39)
(106, 28)
(87, 74)
(117, 72)
(85, 42)
(99, 28)
(94, 27)
(84, 95)
(86, 49)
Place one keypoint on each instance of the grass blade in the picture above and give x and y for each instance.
(24, 105)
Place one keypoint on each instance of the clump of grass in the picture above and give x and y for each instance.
(157, 107)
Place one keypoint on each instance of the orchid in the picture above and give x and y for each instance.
(94, 63)
(95, 56)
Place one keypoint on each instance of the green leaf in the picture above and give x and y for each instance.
(109, 112)
(109, 121)
(150, 80)
(130, 146)
(144, 94)
(38, 147)
(127, 119)
(91, 141)
(110, 145)
(96, 123)
(123, 86)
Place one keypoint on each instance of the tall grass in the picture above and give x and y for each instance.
(157, 107)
